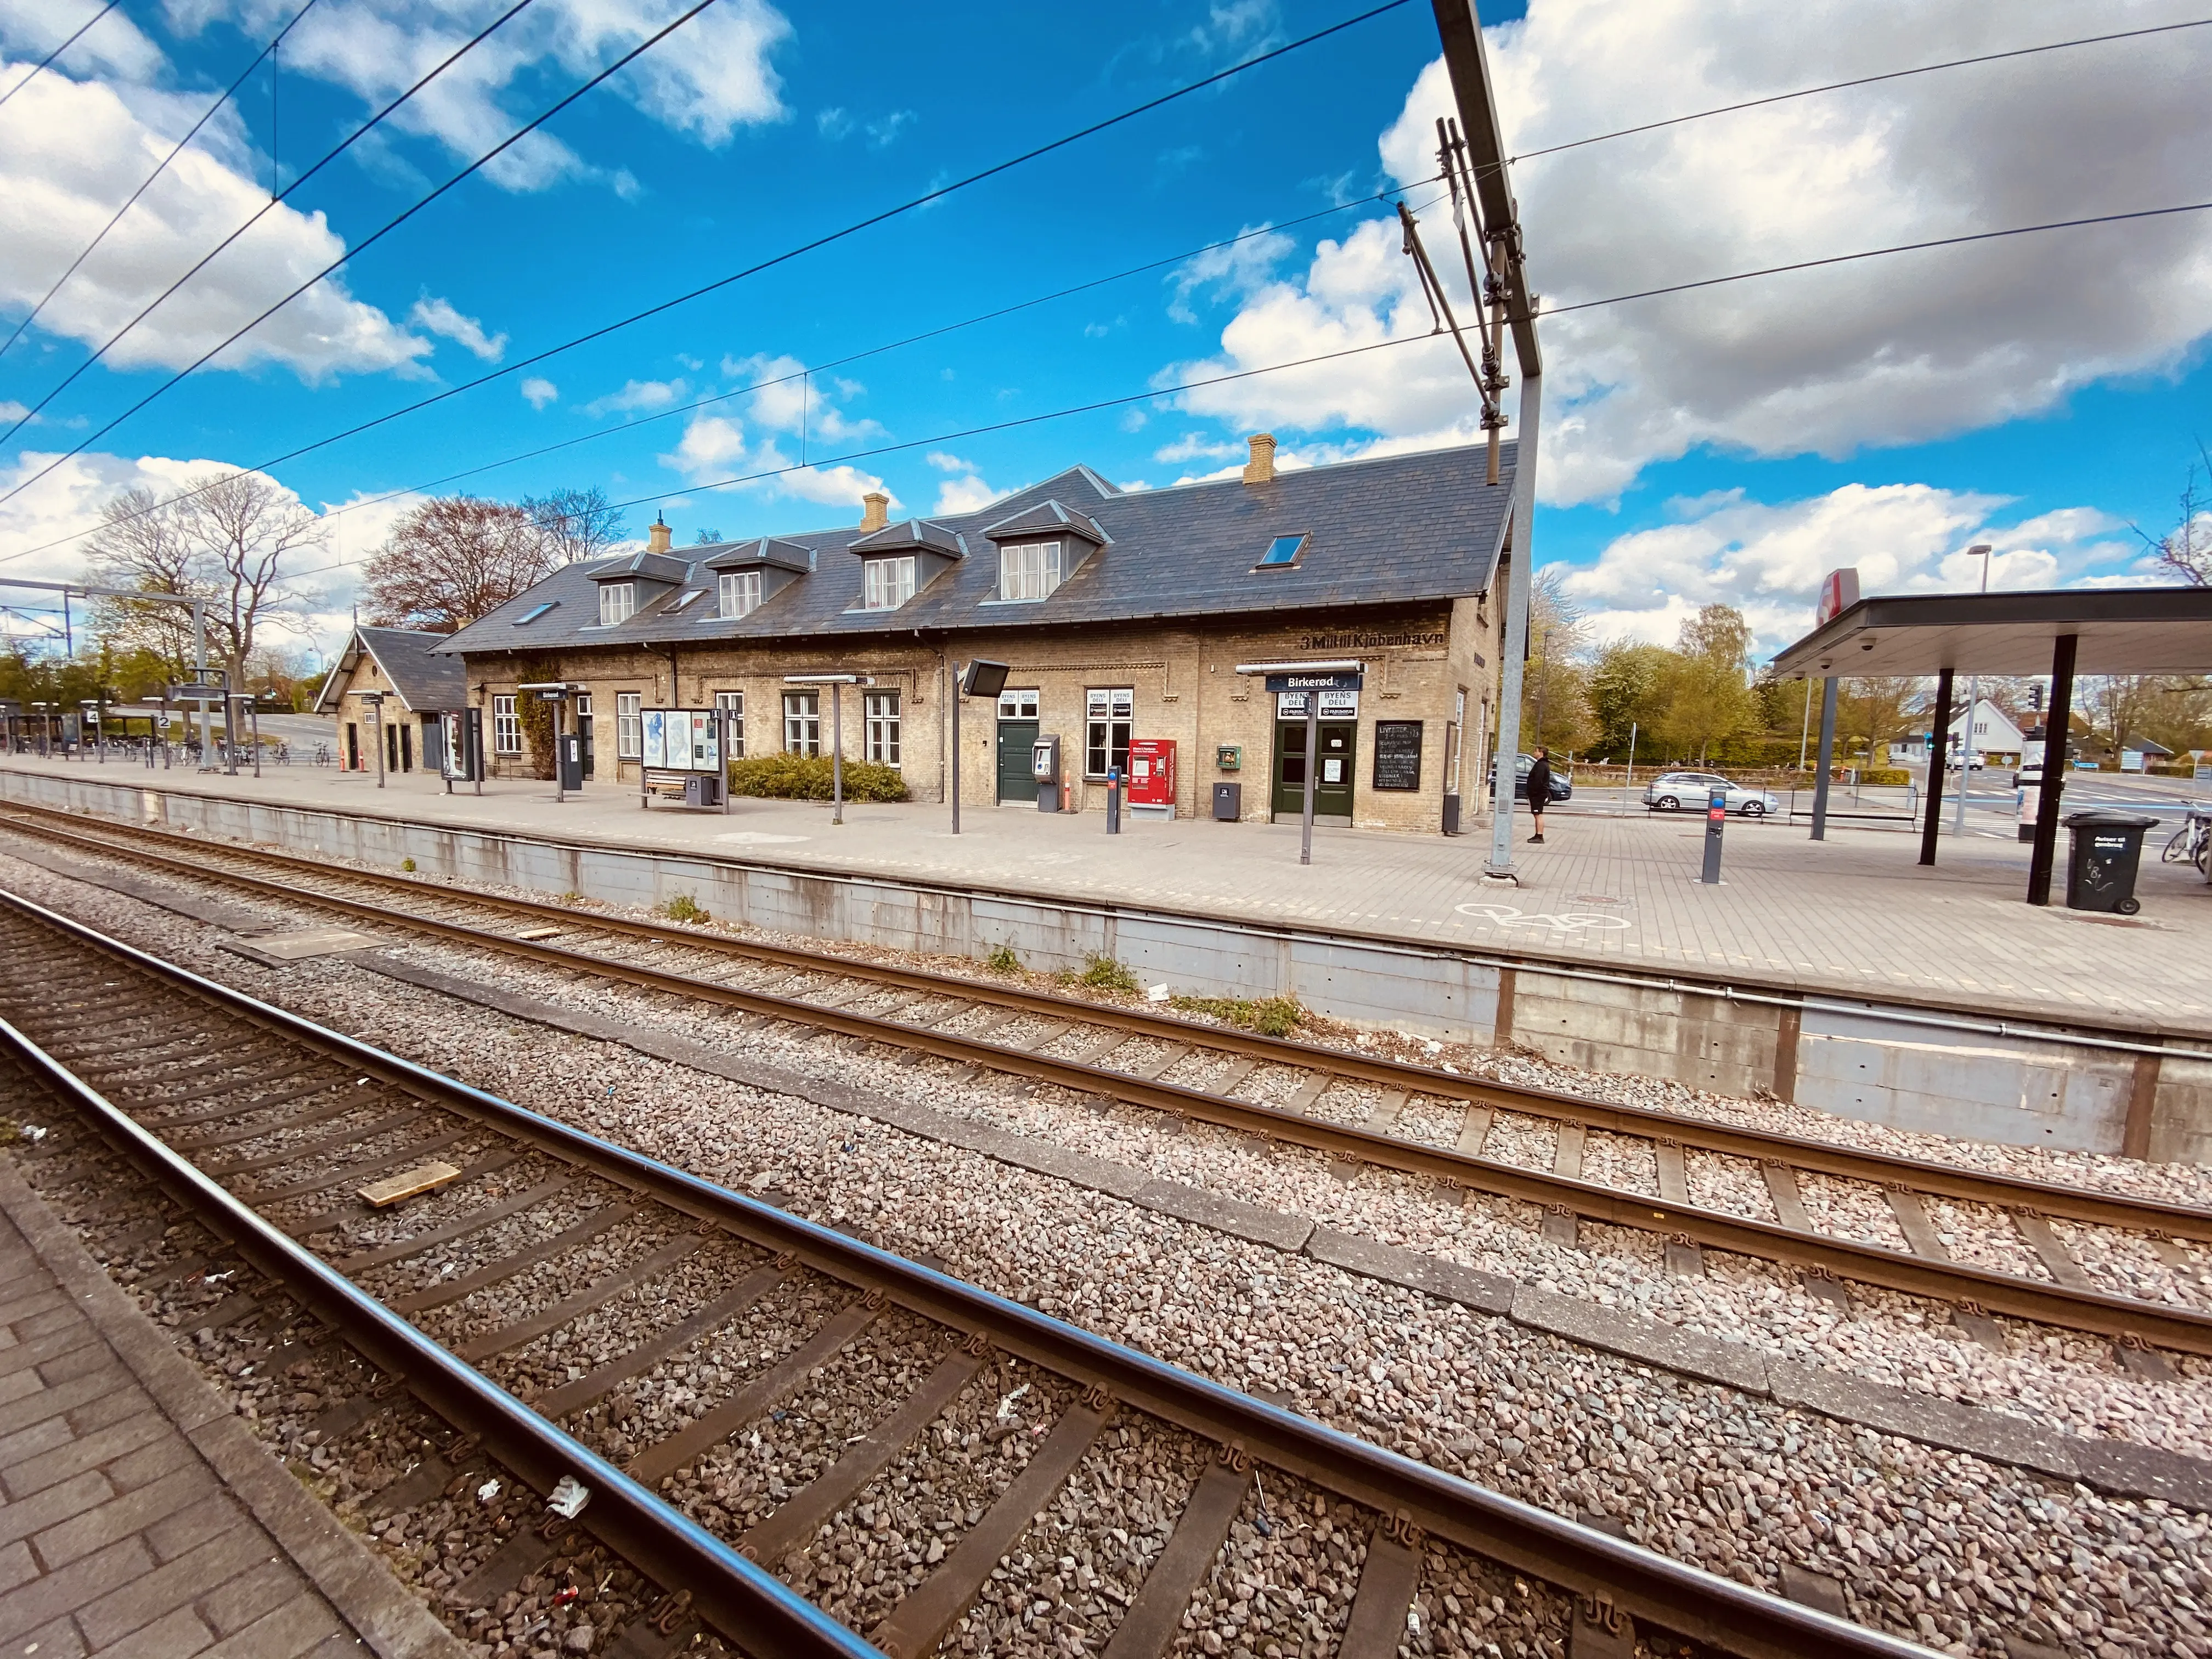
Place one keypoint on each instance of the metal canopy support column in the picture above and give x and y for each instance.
(1827, 758)
(2056, 727)
(1938, 742)
(1507, 772)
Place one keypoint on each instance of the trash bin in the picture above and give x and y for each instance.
(2100, 873)
(1228, 802)
(1451, 814)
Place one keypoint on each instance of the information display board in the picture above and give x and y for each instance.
(1398, 754)
(681, 739)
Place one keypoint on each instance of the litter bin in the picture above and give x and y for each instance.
(1228, 802)
(1451, 814)
(2100, 873)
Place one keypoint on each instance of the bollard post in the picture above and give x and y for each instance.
(1715, 822)
(1113, 801)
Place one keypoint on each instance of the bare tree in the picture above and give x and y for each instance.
(2186, 550)
(230, 540)
(454, 560)
(576, 524)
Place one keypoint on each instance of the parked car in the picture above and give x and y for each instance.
(1563, 786)
(2030, 776)
(1671, 791)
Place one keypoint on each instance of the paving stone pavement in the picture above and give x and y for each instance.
(138, 1517)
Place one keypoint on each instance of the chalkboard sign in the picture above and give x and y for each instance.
(1398, 754)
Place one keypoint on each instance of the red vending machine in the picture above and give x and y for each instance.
(1151, 777)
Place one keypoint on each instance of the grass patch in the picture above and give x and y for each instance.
(408, 865)
(1271, 1017)
(682, 908)
(1003, 960)
(1104, 974)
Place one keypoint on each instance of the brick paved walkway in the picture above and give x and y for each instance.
(137, 1515)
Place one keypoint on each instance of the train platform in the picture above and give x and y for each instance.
(138, 1514)
(1854, 914)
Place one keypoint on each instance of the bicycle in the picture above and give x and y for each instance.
(2191, 842)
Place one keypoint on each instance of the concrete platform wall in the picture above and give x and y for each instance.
(1877, 1061)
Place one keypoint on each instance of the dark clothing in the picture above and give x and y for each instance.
(1540, 785)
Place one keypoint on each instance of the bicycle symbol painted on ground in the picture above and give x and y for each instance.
(1569, 921)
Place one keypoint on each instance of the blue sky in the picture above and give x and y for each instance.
(2042, 393)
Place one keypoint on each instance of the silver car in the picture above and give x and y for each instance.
(1673, 792)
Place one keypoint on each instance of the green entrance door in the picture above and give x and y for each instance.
(1016, 739)
(1339, 740)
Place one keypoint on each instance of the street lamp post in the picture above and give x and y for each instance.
(375, 701)
(836, 682)
(1979, 550)
(980, 678)
(1311, 678)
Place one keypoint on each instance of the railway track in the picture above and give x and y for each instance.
(537, 1264)
(2084, 1254)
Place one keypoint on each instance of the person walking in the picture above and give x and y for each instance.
(1539, 792)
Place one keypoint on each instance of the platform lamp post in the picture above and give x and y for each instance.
(1981, 551)
(375, 701)
(93, 707)
(980, 678)
(1312, 679)
(836, 682)
(557, 692)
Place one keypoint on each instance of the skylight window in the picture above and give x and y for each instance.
(1283, 551)
(535, 613)
(683, 601)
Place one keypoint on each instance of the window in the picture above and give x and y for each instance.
(629, 742)
(733, 703)
(886, 584)
(505, 730)
(802, 722)
(1028, 570)
(685, 600)
(1283, 551)
(741, 593)
(883, 713)
(1108, 715)
(1017, 705)
(535, 613)
(617, 601)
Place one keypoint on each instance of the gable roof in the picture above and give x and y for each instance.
(1045, 518)
(1395, 530)
(428, 682)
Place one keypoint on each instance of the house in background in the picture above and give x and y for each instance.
(1996, 739)
(417, 686)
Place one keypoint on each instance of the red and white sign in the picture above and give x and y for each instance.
(1839, 591)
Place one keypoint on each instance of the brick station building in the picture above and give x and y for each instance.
(1122, 613)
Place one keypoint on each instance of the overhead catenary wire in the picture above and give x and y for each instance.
(161, 166)
(329, 156)
(910, 205)
(33, 72)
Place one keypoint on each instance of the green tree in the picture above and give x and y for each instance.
(1628, 689)
(1709, 697)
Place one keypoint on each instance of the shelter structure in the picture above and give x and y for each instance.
(2064, 634)
(414, 685)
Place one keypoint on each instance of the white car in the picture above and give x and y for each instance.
(1673, 792)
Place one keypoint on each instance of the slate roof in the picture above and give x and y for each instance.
(1400, 529)
(428, 683)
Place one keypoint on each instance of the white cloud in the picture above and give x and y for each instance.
(70, 151)
(714, 449)
(12, 412)
(1229, 272)
(540, 391)
(1768, 560)
(786, 399)
(439, 317)
(29, 29)
(710, 77)
(1895, 351)
(948, 462)
(637, 396)
(967, 494)
(1196, 446)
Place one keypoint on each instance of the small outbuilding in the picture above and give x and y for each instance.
(416, 687)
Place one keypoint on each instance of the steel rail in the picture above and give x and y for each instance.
(745, 1601)
(1996, 1190)
(1604, 1571)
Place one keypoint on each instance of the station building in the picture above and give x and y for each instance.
(1122, 614)
(415, 684)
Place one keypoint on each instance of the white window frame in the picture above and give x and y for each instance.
(733, 704)
(630, 724)
(802, 723)
(1020, 705)
(617, 603)
(886, 583)
(881, 712)
(1110, 722)
(505, 727)
(1028, 571)
(740, 592)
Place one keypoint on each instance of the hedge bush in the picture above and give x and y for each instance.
(806, 777)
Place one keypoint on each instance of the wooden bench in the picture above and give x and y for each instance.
(658, 781)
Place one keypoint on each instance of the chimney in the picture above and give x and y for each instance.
(656, 535)
(1260, 469)
(875, 510)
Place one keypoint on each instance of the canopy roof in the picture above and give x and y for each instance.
(2121, 630)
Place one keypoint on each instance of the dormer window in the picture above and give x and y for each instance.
(741, 593)
(617, 603)
(886, 584)
(1028, 570)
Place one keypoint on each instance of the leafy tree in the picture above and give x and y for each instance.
(1554, 687)
(1876, 711)
(1628, 689)
(1708, 698)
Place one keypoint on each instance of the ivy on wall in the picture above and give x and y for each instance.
(536, 714)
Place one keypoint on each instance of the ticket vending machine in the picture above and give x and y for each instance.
(1152, 778)
(1044, 767)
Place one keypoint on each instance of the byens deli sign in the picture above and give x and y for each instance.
(1348, 682)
